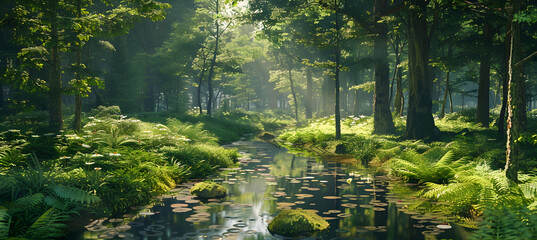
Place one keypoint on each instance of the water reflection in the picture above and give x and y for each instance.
(356, 204)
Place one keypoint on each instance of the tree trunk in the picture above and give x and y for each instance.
(213, 62)
(484, 78)
(293, 88)
(55, 83)
(338, 56)
(77, 124)
(200, 81)
(309, 93)
(443, 111)
(420, 121)
(515, 101)
(399, 97)
(383, 121)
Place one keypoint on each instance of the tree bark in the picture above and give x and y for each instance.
(505, 80)
(213, 62)
(338, 56)
(383, 121)
(420, 121)
(484, 78)
(516, 99)
(55, 83)
(77, 124)
(443, 111)
(293, 88)
(309, 93)
(399, 97)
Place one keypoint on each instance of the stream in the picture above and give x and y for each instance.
(357, 204)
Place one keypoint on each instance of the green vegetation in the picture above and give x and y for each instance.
(296, 222)
(462, 169)
(115, 163)
(208, 190)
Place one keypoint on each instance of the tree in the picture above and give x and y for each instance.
(420, 122)
(47, 25)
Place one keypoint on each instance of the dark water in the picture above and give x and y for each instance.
(356, 204)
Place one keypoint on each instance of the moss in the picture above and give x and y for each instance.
(208, 190)
(293, 222)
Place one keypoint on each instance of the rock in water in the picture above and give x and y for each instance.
(294, 222)
(208, 190)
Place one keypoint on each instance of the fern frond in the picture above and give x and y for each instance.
(447, 159)
(5, 222)
(74, 195)
(47, 226)
(29, 202)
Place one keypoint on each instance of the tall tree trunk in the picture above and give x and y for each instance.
(213, 62)
(484, 77)
(399, 97)
(200, 81)
(443, 111)
(55, 83)
(338, 56)
(309, 93)
(420, 121)
(516, 99)
(293, 88)
(505, 79)
(382, 117)
(77, 124)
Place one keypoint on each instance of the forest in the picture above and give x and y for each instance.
(268, 119)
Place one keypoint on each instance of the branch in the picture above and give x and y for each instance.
(518, 64)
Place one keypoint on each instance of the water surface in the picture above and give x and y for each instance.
(357, 204)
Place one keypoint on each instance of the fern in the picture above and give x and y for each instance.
(29, 202)
(74, 195)
(5, 222)
(48, 225)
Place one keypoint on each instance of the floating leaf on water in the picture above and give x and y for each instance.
(330, 218)
(201, 207)
(334, 211)
(314, 189)
(300, 202)
(370, 228)
(179, 205)
(192, 201)
(379, 204)
(344, 215)
(194, 219)
(240, 225)
(285, 204)
(366, 206)
(444, 226)
(379, 209)
(331, 197)
(418, 226)
(217, 227)
(251, 232)
(181, 210)
(349, 196)
(97, 228)
(147, 213)
(349, 205)
(115, 220)
(201, 215)
(303, 195)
